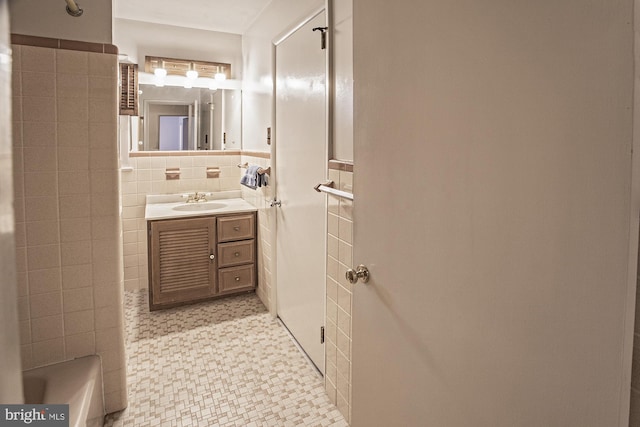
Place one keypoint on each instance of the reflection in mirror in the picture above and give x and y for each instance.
(176, 118)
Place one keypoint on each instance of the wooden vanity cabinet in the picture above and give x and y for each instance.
(193, 259)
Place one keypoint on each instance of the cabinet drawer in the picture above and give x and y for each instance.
(236, 227)
(236, 253)
(236, 278)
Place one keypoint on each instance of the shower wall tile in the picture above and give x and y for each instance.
(80, 345)
(72, 86)
(38, 109)
(42, 281)
(47, 352)
(46, 328)
(72, 62)
(40, 208)
(76, 276)
(72, 134)
(66, 179)
(44, 305)
(38, 84)
(39, 134)
(37, 59)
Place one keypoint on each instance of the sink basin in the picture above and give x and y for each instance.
(201, 206)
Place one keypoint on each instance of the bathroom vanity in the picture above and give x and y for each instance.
(199, 250)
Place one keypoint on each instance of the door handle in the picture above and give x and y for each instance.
(361, 272)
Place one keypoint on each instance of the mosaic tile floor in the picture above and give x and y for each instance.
(221, 363)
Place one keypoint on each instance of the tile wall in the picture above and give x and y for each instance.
(68, 234)
(339, 291)
(260, 198)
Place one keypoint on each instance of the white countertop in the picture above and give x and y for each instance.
(164, 206)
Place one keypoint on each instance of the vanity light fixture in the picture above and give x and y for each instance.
(188, 84)
(213, 85)
(187, 67)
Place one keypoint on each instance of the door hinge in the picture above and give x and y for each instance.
(323, 36)
(321, 334)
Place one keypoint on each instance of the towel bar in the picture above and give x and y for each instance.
(261, 171)
(327, 187)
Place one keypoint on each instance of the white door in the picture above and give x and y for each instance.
(492, 182)
(301, 164)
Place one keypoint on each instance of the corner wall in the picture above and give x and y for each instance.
(66, 185)
(260, 198)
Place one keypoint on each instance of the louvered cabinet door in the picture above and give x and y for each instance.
(182, 261)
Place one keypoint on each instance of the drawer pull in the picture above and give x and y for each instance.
(237, 278)
(237, 228)
(237, 254)
(212, 257)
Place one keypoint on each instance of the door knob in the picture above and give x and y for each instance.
(361, 272)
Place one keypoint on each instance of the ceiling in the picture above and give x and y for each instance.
(229, 16)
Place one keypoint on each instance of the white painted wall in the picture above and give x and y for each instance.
(257, 102)
(47, 18)
(10, 371)
(139, 39)
(343, 84)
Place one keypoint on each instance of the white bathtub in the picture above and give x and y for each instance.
(77, 382)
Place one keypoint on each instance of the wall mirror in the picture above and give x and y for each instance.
(174, 118)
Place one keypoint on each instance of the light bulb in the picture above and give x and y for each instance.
(160, 72)
(192, 74)
(220, 76)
